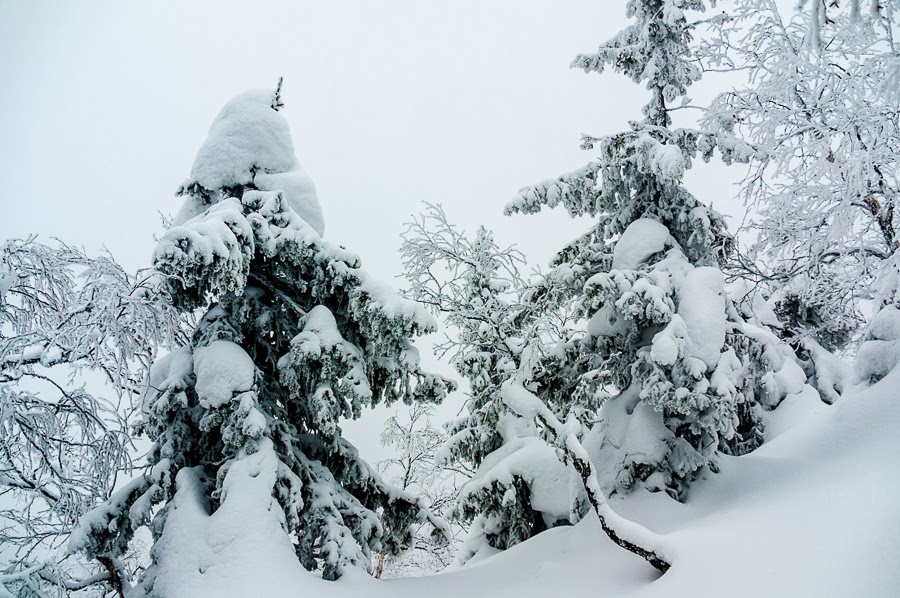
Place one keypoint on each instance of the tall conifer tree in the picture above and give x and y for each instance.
(294, 337)
(672, 372)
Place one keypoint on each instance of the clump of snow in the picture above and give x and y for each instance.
(629, 434)
(383, 299)
(319, 332)
(666, 160)
(224, 370)
(702, 306)
(885, 326)
(753, 306)
(790, 379)
(670, 342)
(299, 193)
(784, 376)
(169, 375)
(832, 375)
(537, 463)
(641, 240)
(875, 360)
(880, 353)
(606, 321)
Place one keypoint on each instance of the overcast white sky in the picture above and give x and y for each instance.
(391, 103)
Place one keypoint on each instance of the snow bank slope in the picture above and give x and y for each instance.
(814, 512)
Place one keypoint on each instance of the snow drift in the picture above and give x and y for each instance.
(810, 513)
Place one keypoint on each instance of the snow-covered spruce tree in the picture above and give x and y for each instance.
(665, 364)
(818, 124)
(64, 314)
(518, 487)
(248, 460)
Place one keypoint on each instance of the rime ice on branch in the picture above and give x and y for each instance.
(62, 443)
(821, 121)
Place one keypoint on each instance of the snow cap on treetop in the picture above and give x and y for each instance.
(249, 144)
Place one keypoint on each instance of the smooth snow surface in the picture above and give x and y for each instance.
(813, 512)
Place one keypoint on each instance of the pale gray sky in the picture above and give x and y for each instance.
(391, 103)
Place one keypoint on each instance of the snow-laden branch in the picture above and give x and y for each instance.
(628, 534)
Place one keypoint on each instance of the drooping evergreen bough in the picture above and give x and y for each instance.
(518, 486)
(294, 336)
(671, 371)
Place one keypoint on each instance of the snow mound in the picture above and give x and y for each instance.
(875, 359)
(880, 353)
(885, 326)
(237, 551)
(641, 240)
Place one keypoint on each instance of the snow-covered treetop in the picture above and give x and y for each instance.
(247, 136)
(655, 48)
(249, 147)
(638, 172)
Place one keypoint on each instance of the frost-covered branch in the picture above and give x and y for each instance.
(414, 469)
(821, 116)
(64, 314)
